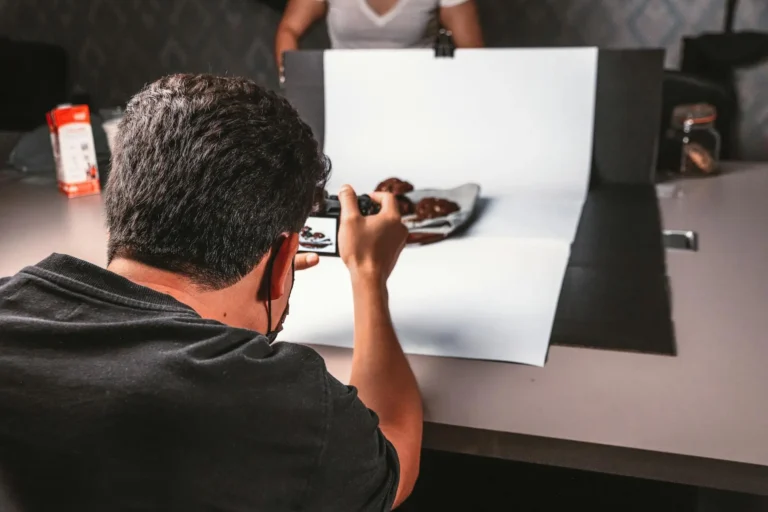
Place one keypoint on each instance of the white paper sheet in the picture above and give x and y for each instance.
(474, 298)
(526, 215)
(517, 122)
(508, 119)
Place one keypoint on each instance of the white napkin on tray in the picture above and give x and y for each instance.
(465, 196)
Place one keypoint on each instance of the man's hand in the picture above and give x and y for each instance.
(370, 245)
(305, 260)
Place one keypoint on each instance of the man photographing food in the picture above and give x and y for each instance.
(154, 384)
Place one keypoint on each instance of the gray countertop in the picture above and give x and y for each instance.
(708, 404)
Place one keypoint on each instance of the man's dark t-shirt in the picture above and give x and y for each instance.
(116, 397)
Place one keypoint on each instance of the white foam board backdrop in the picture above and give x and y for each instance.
(519, 123)
(484, 301)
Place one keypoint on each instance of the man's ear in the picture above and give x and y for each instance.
(281, 268)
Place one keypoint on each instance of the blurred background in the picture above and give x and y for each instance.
(116, 47)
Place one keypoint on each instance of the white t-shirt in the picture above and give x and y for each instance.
(409, 24)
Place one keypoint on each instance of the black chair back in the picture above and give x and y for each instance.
(34, 80)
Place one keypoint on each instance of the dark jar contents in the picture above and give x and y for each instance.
(693, 130)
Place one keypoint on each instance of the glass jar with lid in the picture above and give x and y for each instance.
(693, 127)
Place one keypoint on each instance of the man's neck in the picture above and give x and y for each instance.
(223, 305)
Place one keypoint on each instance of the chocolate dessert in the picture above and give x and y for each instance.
(425, 238)
(405, 206)
(314, 241)
(316, 245)
(434, 207)
(395, 186)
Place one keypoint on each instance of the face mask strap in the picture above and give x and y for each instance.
(270, 267)
(269, 296)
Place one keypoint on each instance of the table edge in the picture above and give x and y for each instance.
(622, 461)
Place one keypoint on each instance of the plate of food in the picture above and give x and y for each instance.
(313, 240)
(432, 214)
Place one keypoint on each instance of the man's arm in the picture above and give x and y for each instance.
(385, 382)
(370, 247)
(298, 17)
(359, 467)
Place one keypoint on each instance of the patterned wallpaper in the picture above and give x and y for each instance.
(117, 46)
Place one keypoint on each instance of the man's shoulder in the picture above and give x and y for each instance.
(299, 357)
(262, 375)
(298, 351)
(302, 371)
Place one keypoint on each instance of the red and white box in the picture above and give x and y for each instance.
(74, 150)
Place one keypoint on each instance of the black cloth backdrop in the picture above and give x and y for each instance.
(278, 5)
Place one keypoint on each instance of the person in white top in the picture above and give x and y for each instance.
(380, 23)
